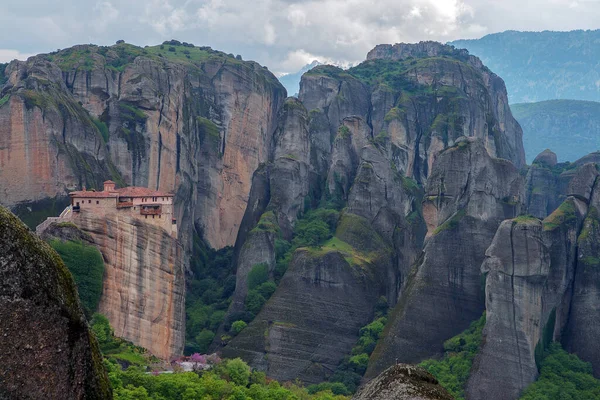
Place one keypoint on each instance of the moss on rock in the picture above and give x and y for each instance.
(39, 306)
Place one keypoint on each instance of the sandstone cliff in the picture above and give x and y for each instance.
(143, 293)
(47, 350)
(191, 121)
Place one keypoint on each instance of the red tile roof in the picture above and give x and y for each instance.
(92, 194)
(136, 191)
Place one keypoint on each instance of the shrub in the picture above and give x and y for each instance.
(87, 266)
(359, 363)
(453, 369)
(267, 289)
(238, 371)
(563, 376)
(237, 327)
(258, 275)
(311, 232)
(204, 339)
(254, 302)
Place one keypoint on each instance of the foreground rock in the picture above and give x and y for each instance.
(403, 382)
(47, 349)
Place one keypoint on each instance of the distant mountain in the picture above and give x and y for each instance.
(292, 81)
(545, 65)
(570, 128)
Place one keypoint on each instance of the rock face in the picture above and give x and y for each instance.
(197, 126)
(540, 287)
(318, 291)
(48, 350)
(485, 92)
(468, 194)
(403, 382)
(363, 140)
(143, 293)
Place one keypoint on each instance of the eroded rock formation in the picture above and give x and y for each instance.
(365, 141)
(539, 288)
(143, 293)
(467, 195)
(198, 127)
(47, 349)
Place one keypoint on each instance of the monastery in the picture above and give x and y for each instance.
(150, 206)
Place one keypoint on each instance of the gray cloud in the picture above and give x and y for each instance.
(282, 34)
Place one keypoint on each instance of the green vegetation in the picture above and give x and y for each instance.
(563, 376)
(208, 295)
(267, 223)
(590, 225)
(451, 223)
(87, 266)
(209, 132)
(4, 100)
(260, 289)
(102, 128)
(344, 132)
(394, 73)
(564, 214)
(237, 327)
(34, 213)
(454, 368)
(229, 379)
(77, 57)
(128, 369)
(526, 219)
(131, 113)
(116, 349)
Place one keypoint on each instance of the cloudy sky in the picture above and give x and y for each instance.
(282, 34)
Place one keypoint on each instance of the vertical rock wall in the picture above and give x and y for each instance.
(143, 294)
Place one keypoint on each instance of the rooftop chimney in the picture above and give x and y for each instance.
(109, 186)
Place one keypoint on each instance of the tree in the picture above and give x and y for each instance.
(258, 275)
(254, 302)
(238, 371)
(237, 327)
(204, 339)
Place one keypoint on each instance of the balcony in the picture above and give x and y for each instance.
(153, 210)
(125, 204)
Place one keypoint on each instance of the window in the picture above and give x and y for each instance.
(146, 217)
(97, 202)
(160, 216)
(89, 202)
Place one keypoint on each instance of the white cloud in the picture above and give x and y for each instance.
(7, 55)
(281, 33)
